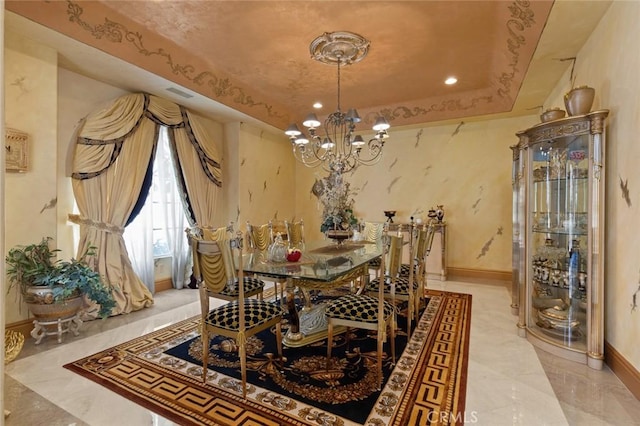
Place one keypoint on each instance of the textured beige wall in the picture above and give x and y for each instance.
(465, 167)
(30, 105)
(265, 177)
(610, 63)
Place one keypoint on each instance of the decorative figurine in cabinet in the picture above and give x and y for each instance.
(558, 210)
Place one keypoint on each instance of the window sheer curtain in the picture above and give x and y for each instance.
(138, 238)
(165, 212)
(111, 158)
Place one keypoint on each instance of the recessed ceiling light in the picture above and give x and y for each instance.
(451, 80)
(317, 105)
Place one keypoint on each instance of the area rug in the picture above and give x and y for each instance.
(427, 385)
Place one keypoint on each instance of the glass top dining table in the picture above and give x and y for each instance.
(321, 261)
(323, 265)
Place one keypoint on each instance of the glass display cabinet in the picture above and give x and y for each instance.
(558, 211)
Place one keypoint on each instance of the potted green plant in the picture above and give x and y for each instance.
(45, 281)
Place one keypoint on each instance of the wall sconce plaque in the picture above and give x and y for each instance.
(16, 150)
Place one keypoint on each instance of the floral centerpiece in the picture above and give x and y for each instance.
(337, 201)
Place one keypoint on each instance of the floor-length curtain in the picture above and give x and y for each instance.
(110, 160)
(112, 154)
(105, 203)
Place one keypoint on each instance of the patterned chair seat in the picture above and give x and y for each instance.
(405, 268)
(357, 308)
(402, 285)
(251, 286)
(256, 312)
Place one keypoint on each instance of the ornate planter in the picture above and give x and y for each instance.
(579, 100)
(41, 304)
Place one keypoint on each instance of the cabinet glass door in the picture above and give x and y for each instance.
(558, 206)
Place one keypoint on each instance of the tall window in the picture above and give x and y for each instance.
(158, 231)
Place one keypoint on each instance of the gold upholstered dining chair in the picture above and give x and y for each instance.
(260, 238)
(295, 233)
(398, 288)
(200, 240)
(239, 318)
(367, 312)
(424, 241)
(372, 232)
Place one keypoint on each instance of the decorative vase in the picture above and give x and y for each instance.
(390, 214)
(440, 213)
(579, 100)
(277, 251)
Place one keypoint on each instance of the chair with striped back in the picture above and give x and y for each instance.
(396, 287)
(202, 240)
(367, 312)
(424, 241)
(372, 232)
(260, 238)
(295, 233)
(239, 318)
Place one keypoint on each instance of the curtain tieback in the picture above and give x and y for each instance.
(102, 226)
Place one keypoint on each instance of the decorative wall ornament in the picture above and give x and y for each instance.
(16, 145)
(624, 188)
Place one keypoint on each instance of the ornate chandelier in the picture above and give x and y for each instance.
(339, 149)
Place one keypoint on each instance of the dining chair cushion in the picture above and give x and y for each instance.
(357, 307)
(402, 285)
(251, 284)
(405, 268)
(256, 312)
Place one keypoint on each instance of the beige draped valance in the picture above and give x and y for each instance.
(100, 142)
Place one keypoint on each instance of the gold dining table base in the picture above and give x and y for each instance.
(312, 327)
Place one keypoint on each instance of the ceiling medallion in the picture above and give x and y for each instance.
(340, 47)
(339, 149)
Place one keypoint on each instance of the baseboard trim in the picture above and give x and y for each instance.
(164, 284)
(623, 369)
(24, 327)
(479, 274)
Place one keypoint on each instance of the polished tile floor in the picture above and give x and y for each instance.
(509, 381)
